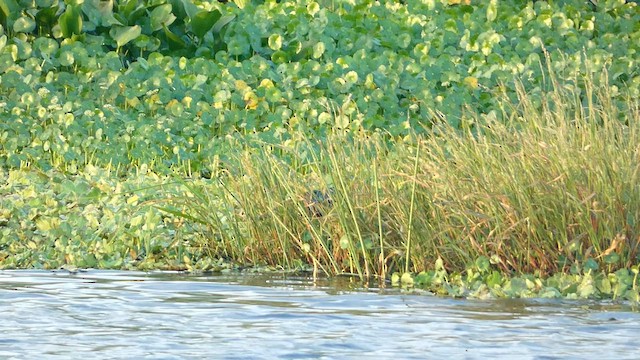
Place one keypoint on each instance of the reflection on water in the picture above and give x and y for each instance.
(116, 315)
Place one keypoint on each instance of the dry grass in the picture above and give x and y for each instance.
(556, 184)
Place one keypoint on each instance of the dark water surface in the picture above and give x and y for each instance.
(134, 315)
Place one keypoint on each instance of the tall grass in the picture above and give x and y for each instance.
(553, 184)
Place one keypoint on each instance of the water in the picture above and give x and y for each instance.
(133, 315)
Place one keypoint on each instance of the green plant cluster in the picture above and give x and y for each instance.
(49, 220)
(104, 95)
(130, 27)
(550, 193)
(483, 281)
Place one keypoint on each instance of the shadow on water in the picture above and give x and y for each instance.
(114, 314)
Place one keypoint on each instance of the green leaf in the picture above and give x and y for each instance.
(100, 12)
(71, 21)
(238, 45)
(123, 34)
(587, 287)
(46, 3)
(482, 263)
(494, 279)
(24, 24)
(344, 242)
(174, 41)
(147, 43)
(24, 48)
(46, 18)
(130, 10)
(203, 21)
(611, 258)
(603, 284)
(177, 9)
(161, 17)
(279, 57)
(66, 58)
(492, 10)
(423, 279)
(89, 261)
(9, 9)
(515, 287)
(590, 264)
(275, 42)
(313, 8)
(318, 49)
(222, 22)
(549, 293)
(395, 279)
(190, 9)
(406, 279)
(240, 3)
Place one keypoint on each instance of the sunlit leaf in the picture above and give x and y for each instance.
(395, 279)
(71, 21)
(318, 50)
(8, 9)
(586, 288)
(241, 3)
(123, 34)
(275, 42)
(344, 242)
(492, 10)
(24, 24)
(313, 8)
(471, 82)
(161, 17)
(406, 279)
(280, 57)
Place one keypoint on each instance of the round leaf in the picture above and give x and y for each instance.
(123, 34)
(161, 17)
(318, 50)
(482, 263)
(24, 24)
(46, 46)
(275, 42)
(66, 58)
(344, 242)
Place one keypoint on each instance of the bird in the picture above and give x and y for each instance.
(317, 202)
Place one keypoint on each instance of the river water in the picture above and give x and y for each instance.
(135, 315)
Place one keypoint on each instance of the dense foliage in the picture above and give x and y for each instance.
(152, 82)
(449, 145)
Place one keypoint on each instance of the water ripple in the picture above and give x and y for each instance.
(115, 315)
